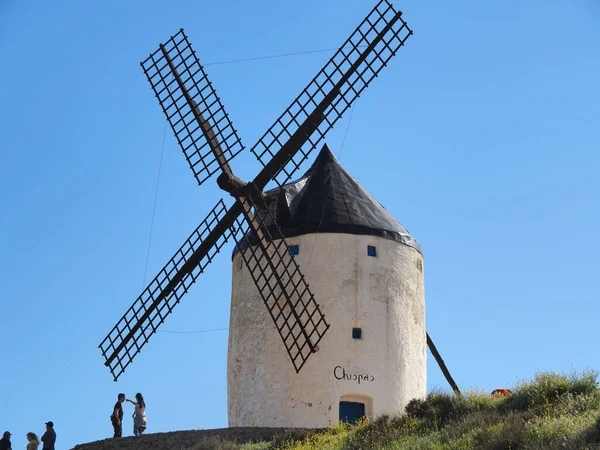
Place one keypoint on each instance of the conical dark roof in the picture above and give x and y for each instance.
(327, 199)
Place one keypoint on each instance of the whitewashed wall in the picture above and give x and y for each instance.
(383, 295)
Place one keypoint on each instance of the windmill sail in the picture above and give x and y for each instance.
(149, 311)
(331, 92)
(181, 85)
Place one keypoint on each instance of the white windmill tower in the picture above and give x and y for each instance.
(367, 272)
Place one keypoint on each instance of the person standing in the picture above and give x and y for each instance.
(5, 441)
(33, 440)
(49, 437)
(117, 416)
(139, 415)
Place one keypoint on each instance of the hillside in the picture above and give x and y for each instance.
(553, 411)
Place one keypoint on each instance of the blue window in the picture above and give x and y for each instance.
(356, 333)
(294, 249)
(371, 250)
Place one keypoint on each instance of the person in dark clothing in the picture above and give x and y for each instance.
(117, 416)
(5, 441)
(49, 437)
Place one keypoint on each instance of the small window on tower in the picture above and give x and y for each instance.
(371, 250)
(294, 250)
(356, 333)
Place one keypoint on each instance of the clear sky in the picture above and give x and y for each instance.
(481, 137)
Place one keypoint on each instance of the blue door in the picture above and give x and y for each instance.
(351, 412)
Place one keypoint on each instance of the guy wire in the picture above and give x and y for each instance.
(162, 150)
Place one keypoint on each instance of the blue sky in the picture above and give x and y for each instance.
(481, 137)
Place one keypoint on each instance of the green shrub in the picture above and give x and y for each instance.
(293, 437)
(436, 410)
(573, 404)
(380, 432)
(475, 401)
(330, 439)
(568, 431)
(422, 442)
(541, 394)
(593, 436)
(506, 434)
(216, 443)
(469, 423)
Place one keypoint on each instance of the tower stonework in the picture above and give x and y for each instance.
(366, 273)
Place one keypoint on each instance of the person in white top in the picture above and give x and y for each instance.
(139, 415)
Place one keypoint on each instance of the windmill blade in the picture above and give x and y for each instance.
(282, 287)
(156, 302)
(331, 92)
(191, 105)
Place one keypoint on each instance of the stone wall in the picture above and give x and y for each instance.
(186, 440)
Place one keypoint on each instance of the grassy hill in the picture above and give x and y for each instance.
(553, 411)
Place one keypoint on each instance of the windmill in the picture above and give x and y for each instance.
(209, 142)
